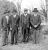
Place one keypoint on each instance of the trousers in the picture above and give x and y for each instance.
(25, 31)
(14, 35)
(5, 37)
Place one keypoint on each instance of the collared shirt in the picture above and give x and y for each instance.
(25, 15)
(7, 17)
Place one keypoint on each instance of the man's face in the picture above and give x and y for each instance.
(25, 12)
(14, 15)
(35, 13)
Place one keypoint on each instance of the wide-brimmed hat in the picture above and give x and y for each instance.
(35, 10)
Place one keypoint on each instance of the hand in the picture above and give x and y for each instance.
(10, 28)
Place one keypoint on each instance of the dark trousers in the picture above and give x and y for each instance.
(25, 31)
(14, 35)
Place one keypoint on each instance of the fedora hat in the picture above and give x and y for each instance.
(35, 10)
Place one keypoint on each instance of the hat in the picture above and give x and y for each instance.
(14, 11)
(35, 10)
(6, 12)
(25, 10)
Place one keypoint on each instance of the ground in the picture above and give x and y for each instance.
(43, 45)
(29, 46)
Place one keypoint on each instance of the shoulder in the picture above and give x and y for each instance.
(39, 16)
(3, 17)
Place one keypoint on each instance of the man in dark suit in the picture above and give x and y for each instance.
(25, 25)
(35, 21)
(15, 24)
(5, 25)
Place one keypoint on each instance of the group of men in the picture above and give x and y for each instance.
(29, 24)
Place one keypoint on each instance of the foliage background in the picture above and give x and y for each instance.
(6, 6)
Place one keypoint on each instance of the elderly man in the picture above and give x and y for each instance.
(25, 25)
(35, 21)
(15, 24)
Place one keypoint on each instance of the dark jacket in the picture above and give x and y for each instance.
(4, 23)
(15, 21)
(35, 20)
(25, 20)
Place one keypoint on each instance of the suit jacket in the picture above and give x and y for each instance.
(15, 21)
(25, 20)
(35, 20)
(4, 23)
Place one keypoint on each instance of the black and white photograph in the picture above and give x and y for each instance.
(23, 24)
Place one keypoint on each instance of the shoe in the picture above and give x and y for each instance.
(3, 44)
(11, 43)
(16, 43)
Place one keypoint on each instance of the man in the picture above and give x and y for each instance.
(25, 25)
(5, 24)
(35, 21)
(15, 24)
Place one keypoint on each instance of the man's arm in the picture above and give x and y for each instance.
(1, 23)
(39, 21)
(10, 23)
(31, 20)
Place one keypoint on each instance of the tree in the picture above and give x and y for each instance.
(6, 6)
(19, 6)
(43, 6)
(44, 11)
